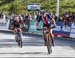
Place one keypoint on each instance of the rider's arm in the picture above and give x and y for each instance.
(53, 21)
(21, 22)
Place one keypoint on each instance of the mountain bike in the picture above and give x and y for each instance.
(18, 37)
(48, 40)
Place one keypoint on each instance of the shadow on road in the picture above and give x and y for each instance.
(44, 53)
(12, 43)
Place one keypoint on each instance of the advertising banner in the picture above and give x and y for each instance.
(33, 7)
(60, 30)
(72, 31)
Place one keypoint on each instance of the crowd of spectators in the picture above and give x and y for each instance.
(68, 17)
(65, 17)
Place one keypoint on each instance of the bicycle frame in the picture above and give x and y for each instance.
(47, 35)
(18, 37)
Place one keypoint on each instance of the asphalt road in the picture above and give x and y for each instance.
(33, 46)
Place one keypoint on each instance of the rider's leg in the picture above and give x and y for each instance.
(44, 38)
(21, 33)
(52, 36)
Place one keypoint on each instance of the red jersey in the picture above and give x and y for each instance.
(45, 20)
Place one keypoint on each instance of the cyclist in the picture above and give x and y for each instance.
(17, 23)
(48, 21)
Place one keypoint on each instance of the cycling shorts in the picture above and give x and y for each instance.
(17, 26)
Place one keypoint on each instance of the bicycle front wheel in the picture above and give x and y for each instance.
(49, 46)
(20, 43)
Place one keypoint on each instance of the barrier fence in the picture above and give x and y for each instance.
(60, 30)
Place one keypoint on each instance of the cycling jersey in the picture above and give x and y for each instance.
(47, 21)
(17, 24)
